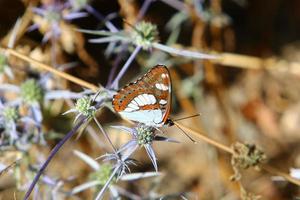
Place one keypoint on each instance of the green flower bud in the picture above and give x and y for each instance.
(145, 135)
(103, 174)
(83, 106)
(31, 92)
(10, 114)
(145, 34)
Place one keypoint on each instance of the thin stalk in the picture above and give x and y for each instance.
(52, 70)
(105, 134)
(116, 64)
(204, 138)
(100, 17)
(124, 47)
(115, 84)
(52, 154)
(266, 167)
(275, 171)
(143, 10)
(101, 193)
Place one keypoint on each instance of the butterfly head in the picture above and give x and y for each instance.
(169, 122)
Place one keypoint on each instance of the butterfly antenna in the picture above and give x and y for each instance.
(187, 135)
(196, 115)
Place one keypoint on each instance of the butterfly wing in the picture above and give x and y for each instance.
(147, 100)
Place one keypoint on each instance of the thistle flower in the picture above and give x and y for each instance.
(144, 34)
(52, 15)
(20, 131)
(102, 174)
(143, 136)
(51, 187)
(31, 92)
(8, 118)
(83, 107)
(23, 130)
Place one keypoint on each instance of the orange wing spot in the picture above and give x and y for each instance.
(149, 107)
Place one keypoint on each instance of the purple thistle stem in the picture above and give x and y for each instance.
(115, 65)
(52, 154)
(115, 84)
(105, 134)
(143, 9)
(100, 17)
(100, 194)
(141, 14)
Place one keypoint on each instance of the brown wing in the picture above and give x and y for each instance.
(156, 82)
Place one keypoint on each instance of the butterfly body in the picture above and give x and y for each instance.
(148, 99)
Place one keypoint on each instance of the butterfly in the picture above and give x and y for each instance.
(147, 100)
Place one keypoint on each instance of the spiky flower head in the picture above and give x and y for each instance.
(31, 92)
(84, 106)
(103, 174)
(245, 156)
(145, 134)
(10, 114)
(145, 34)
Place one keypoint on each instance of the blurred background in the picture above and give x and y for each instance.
(251, 94)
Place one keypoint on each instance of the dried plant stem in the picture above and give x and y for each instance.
(115, 84)
(51, 155)
(273, 170)
(266, 167)
(51, 69)
(251, 62)
(204, 138)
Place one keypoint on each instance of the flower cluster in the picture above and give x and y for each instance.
(31, 92)
(144, 34)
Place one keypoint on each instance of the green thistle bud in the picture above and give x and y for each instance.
(10, 114)
(83, 106)
(145, 135)
(103, 174)
(31, 92)
(145, 34)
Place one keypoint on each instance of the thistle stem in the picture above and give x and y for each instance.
(51, 69)
(105, 134)
(115, 84)
(52, 154)
(100, 194)
(204, 138)
(266, 167)
(143, 9)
